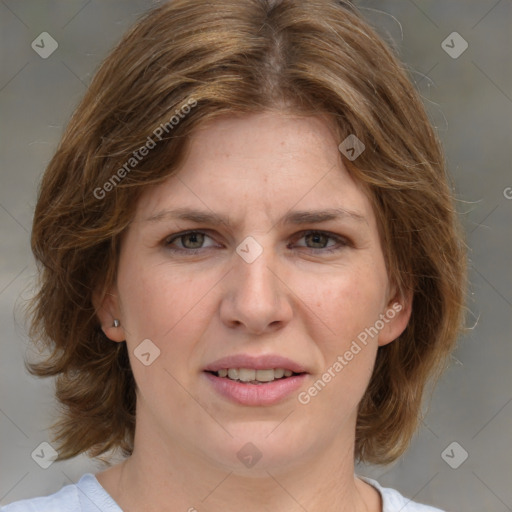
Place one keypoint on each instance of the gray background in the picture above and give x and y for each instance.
(468, 98)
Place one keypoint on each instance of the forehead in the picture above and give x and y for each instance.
(267, 162)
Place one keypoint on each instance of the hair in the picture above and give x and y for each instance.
(304, 57)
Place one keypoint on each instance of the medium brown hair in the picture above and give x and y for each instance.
(306, 57)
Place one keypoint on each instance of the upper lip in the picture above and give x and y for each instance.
(262, 362)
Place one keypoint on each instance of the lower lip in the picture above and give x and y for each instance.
(256, 394)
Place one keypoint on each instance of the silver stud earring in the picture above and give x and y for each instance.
(116, 323)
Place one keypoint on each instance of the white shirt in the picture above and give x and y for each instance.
(89, 496)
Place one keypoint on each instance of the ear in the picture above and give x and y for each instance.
(395, 317)
(107, 309)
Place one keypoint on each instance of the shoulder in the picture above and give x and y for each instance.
(65, 500)
(393, 501)
(85, 496)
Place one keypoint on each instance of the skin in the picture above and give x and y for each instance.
(296, 300)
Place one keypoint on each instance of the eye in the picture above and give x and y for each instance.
(193, 242)
(319, 240)
(189, 241)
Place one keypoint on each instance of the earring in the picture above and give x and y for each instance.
(116, 323)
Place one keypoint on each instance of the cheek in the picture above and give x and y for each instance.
(161, 302)
(348, 302)
(167, 307)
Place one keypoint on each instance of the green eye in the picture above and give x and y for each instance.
(192, 242)
(195, 240)
(318, 239)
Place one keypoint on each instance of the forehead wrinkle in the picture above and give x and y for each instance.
(296, 217)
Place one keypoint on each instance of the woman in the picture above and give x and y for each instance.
(250, 262)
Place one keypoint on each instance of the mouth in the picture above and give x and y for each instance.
(255, 381)
(253, 376)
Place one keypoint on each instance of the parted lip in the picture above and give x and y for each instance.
(261, 362)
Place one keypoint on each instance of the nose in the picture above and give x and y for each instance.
(256, 299)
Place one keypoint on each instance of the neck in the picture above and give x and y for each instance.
(154, 478)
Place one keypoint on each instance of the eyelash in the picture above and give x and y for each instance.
(342, 241)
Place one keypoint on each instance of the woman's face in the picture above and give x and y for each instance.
(289, 279)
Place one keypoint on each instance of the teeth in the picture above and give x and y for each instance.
(251, 375)
(265, 375)
(246, 375)
(278, 373)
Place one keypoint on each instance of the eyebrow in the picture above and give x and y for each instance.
(294, 217)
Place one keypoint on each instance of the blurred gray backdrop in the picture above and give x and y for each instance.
(461, 458)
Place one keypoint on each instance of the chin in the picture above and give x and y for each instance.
(259, 448)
